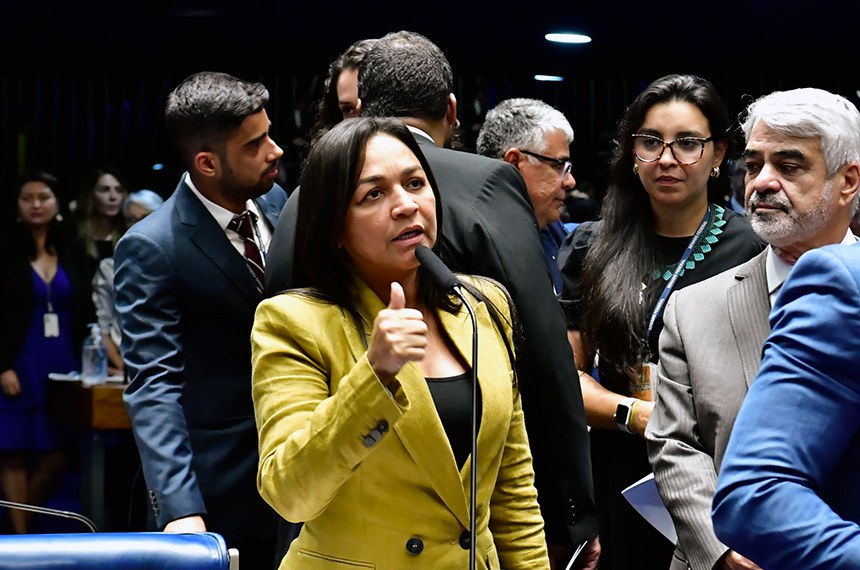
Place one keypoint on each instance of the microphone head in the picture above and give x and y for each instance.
(437, 270)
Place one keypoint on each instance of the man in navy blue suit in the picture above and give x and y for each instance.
(788, 493)
(188, 284)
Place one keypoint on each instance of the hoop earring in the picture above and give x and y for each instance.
(635, 168)
(456, 124)
(715, 171)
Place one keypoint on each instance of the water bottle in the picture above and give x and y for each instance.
(94, 358)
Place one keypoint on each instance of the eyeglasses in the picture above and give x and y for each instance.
(560, 164)
(686, 150)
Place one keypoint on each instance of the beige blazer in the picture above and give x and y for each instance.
(710, 351)
(371, 473)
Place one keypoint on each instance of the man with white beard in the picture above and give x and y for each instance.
(802, 161)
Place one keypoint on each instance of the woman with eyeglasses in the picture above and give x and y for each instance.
(661, 229)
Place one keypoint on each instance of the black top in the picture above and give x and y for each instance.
(104, 248)
(735, 243)
(453, 399)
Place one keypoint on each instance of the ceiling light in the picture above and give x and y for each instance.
(548, 78)
(568, 38)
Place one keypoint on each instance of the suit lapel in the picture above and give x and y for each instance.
(453, 485)
(425, 439)
(749, 308)
(211, 240)
(268, 209)
(424, 436)
(420, 429)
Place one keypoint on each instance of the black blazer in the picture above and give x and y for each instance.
(489, 228)
(186, 302)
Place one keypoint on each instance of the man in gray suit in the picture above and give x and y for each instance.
(798, 198)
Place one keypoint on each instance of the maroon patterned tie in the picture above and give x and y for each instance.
(243, 225)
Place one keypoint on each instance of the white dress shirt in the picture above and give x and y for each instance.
(223, 216)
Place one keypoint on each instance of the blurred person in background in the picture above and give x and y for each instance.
(134, 208)
(46, 306)
(98, 211)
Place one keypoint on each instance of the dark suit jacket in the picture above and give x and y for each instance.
(186, 302)
(489, 228)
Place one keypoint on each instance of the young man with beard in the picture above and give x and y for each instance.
(188, 281)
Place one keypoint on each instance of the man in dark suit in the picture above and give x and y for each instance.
(186, 295)
(489, 228)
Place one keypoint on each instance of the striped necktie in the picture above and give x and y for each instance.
(243, 225)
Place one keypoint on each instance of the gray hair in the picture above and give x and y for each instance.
(521, 123)
(810, 112)
(145, 198)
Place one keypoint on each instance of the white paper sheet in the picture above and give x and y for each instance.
(645, 498)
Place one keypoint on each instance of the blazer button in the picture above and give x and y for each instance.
(465, 540)
(153, 501)
(382, 426)
(414, 545)
(571, 512)
(369, 440)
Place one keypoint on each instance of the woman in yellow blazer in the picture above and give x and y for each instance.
(362, 385)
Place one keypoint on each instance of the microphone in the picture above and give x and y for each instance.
(443, 276)
(436, 268)
(48, 511)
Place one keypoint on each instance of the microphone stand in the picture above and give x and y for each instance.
(46, 511)
(473, 483)
(443, 276)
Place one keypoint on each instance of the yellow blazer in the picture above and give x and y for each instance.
(371, 473)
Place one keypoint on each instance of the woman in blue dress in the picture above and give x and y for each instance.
(45, 302)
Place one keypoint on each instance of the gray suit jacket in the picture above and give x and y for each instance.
(710, 351)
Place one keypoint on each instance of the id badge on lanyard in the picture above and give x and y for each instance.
(642, 381)
(643, 375)
(51, 322)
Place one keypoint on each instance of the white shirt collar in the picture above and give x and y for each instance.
(222, 215)
(419, 132)
(777, 269)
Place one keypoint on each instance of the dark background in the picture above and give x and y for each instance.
(82, 83)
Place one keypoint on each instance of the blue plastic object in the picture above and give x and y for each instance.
(115, 551)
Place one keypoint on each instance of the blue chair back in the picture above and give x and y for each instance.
(117, 551)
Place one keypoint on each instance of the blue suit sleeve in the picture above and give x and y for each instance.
(152, 349)
(787, 491)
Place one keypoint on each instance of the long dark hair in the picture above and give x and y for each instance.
(321, 269)
(327, 183)
(623, 253)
